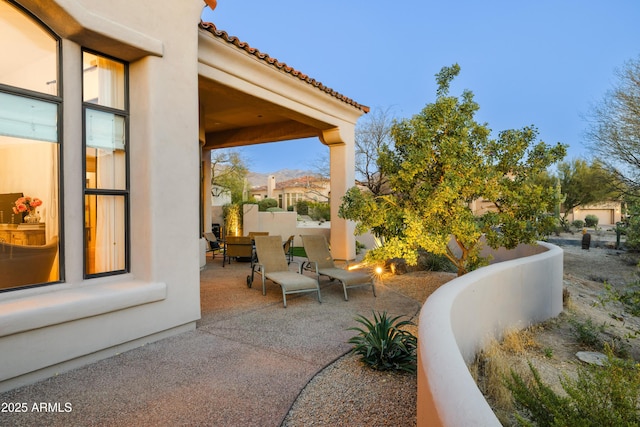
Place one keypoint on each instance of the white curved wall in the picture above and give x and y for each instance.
(460, 317)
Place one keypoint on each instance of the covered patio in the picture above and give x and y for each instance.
(246, 97)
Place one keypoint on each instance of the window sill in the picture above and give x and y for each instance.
(52, 308)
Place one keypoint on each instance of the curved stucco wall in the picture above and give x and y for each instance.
(461, 317)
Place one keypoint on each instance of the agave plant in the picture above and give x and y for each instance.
(383, 345)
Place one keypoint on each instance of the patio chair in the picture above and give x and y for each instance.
(212, 244)
(237, 247)
(273, 266)
(321, 261)
(288, 249)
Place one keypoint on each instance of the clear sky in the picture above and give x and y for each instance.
(541, 63)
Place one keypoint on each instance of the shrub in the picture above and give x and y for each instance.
(267, 203)
(383, 345)
(320, 211)
(586, 333)
(302, 207)
(432, 262)
(577, 223)
(599, 396)
(591, 221)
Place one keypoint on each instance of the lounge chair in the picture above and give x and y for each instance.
(287, 247)
(237, 247)
(321, 261)
(253, 234)
(212, 243)
(273, 266)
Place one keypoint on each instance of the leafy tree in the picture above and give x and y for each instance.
(614, 130)
(582, 184)
(441, 161)
(372, 134)
(229, 170)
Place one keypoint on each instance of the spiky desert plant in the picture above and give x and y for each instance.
(383, 345)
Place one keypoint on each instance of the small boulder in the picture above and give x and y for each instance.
(592, 357)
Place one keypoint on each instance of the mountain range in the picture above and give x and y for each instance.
(258, 179)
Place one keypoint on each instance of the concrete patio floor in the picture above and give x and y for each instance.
(244, 365)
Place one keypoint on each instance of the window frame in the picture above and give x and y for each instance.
(87, 191)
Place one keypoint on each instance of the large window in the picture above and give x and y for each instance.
(30, 106)
(106, 189)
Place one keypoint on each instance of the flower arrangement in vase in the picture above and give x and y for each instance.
(29, 205)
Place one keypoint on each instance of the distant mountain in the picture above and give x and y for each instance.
(259, 179)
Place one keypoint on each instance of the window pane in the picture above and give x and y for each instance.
(29, 53)
(104, 233)
(28, 183)
(28, 118)
(105, 154)
(103, 81)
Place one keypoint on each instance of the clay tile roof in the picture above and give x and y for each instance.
(210, 27)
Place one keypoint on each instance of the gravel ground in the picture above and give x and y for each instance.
(348, 393)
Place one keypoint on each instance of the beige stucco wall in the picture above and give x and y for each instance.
(282, 224)
(459, 318)
(53, 328)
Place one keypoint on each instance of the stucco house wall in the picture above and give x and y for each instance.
(50, 329)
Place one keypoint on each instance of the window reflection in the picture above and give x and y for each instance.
(29, 152)
(29, 52)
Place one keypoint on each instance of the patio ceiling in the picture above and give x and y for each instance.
(234, 118)
(248, 98)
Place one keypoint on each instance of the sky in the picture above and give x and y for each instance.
(542, 63)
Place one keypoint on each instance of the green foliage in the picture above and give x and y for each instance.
(633, 225)
(320, 211)
(275, 209)
(432, 262)
(586, 333)
(441, 161)
(582, 183)
(302, 207)
(267, 203)
(383, 345)
(599, 396)
(591, 220)
(577, 223)
(229, 170)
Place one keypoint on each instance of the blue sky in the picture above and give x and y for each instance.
(541, 63)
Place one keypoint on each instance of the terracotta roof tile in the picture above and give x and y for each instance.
(210, 27)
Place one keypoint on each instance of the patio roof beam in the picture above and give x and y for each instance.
(273, 132)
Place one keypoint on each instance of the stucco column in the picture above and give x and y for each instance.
(342, 168)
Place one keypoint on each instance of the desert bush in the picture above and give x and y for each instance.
(577, 223)
(267, 203)
(302, 207)
(432, 262)
(600, 396)
(586, 333)
(384, 345)
(320, 211)
(591, 220)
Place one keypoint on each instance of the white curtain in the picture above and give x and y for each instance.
(106, 133)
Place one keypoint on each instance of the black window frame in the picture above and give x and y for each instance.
(126, 192)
